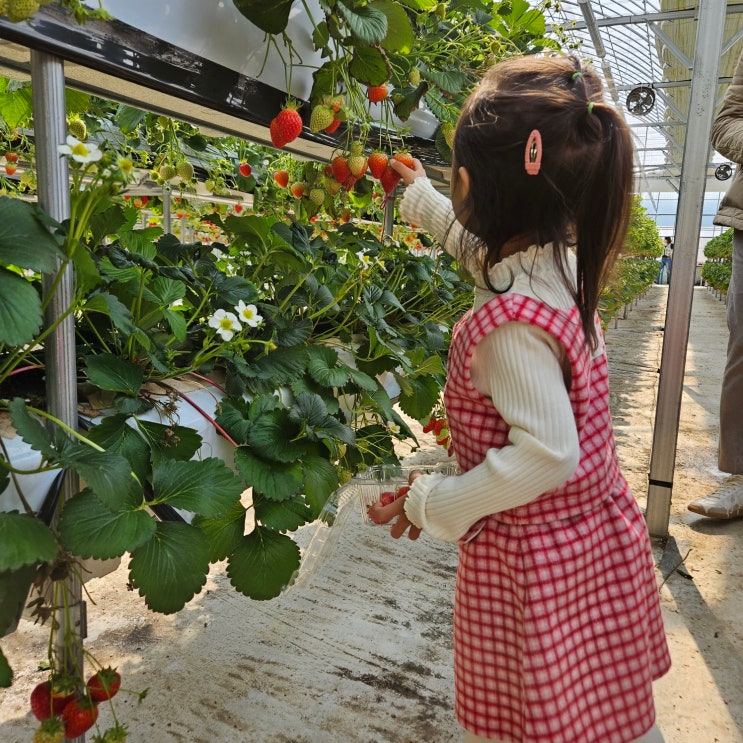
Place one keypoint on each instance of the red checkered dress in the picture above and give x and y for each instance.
(558, 633)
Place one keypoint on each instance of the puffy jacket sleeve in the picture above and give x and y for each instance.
(727, 130)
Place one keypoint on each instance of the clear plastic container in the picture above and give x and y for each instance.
(365, 488)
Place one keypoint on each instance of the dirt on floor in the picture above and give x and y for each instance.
(364, 653)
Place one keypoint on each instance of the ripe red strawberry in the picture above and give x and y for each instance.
(376, 93)
(51, 730)
(281, 177)
(11, 157)
(333, 125)
(10, 168)
(402, 491)
(340, 168)
(78, 716)
(48, 701)
(286, 126)
(387, 497)
(104, 684)
(377, 163)
(389, 179)
(245, 169)
(404, 157)
(297, 189)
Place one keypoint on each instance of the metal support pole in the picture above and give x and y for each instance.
(686, 245)
(50, 128)
(388, 218)
(167, 220)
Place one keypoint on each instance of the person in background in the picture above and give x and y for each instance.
(558, 633)
(726, 501)
(666, 260)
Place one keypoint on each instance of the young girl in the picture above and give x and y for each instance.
(558, 634)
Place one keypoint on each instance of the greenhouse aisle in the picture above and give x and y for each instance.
(363, 655)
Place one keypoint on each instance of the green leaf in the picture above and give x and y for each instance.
(117, 437)
(400, 36)
(363, 380)
(275, 434)
(6, 672)
(325, 368)
(76, 102)
(14, 588)
(286, 515)
(292, 333)
(129, 118)
(108, 475)
(205, 486)
(25, 240)
(320, 480)
(318, 424)
(25, 540)
(233, 417)
(16, 107)
(20, 309)
(171, 567)
(30, 429)
(367, 24)
(426, 392)
(170, 441)
(89, 529)
(270, 16)
(109, 372)
(263, 563)
(177, 323)
(113, 307)
(369, 66)
(277, 481)
(224, 532)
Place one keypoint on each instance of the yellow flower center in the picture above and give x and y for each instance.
(80, 149)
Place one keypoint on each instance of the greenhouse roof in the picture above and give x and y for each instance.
(645, 50)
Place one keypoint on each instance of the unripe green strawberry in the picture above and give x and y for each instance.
(4, 7)
(357, 164)
(414, 76)
(321, 117)
(447, 130)
(77, 129)
(167, 172)
(51, 730)
(210, 185)
(21, 10)
(184, 169)
(317, 196)
(356, 148)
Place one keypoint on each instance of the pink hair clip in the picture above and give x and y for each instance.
(533, 153)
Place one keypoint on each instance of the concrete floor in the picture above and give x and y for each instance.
(363, 655)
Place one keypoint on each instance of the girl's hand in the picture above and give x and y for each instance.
(380, 514)
(408, 174)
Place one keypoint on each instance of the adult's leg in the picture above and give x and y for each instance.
(726, 501)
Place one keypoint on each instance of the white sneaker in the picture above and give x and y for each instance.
(725, 502)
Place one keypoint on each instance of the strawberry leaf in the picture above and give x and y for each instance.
(286, 515)
(170, 568)
(6, 672)
(26, 540)
(320, 480)
(205, 486)
(274, 480)
(400, 36)
(89, 529)
(263, 563)
(369, 66)
(20, 309)
(425, 394)
(170, 442)
(115, 374)
(224, 532)
(325, 368)
(367, 24)
(30, 429)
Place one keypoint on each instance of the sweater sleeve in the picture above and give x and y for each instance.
(522, 374)
(424, 206)
(727, 130)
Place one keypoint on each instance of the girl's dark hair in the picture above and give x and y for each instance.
(582, 194)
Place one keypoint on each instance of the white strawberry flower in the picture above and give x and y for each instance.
(393, 428)
(79, 151)
(225, 323)
(364, 258)
(248, 314)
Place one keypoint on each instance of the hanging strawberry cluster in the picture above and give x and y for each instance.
(438, 425)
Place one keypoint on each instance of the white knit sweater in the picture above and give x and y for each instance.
(519, 367)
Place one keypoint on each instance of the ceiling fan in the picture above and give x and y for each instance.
(640, 100)
(723, 172)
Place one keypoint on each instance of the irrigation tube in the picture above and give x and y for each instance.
(686, 244)
(48, 90)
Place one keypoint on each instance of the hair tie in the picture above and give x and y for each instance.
(590, 107)
(576, 75)
(533, 153)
